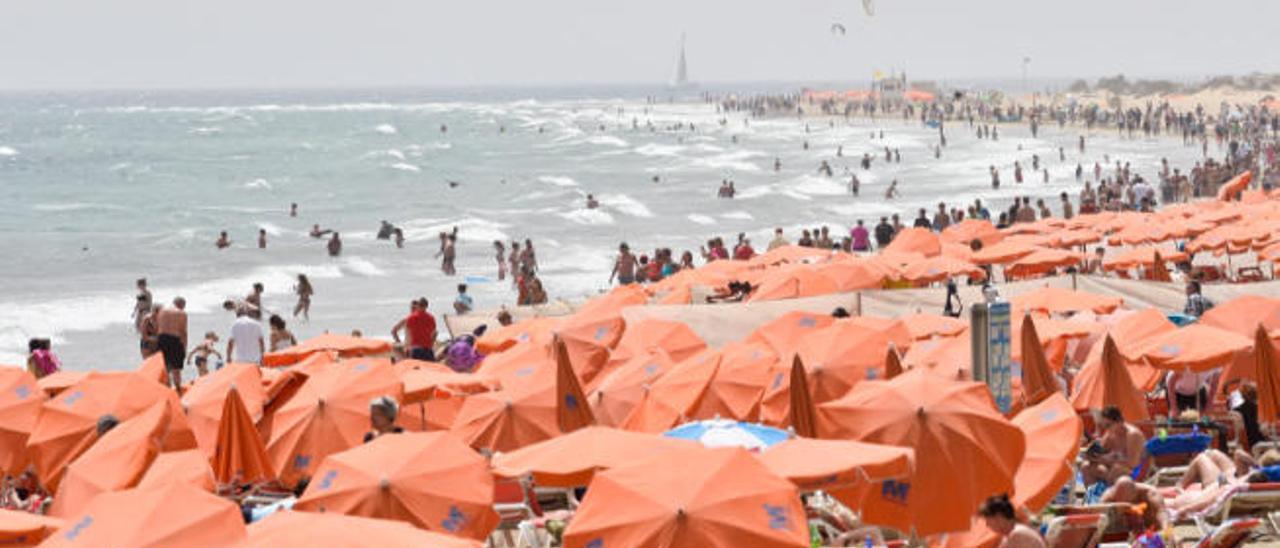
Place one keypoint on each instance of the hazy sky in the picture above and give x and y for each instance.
(334, 43)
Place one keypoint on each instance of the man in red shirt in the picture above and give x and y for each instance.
(420, 331)
(744, 252)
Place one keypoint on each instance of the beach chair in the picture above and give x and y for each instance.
(1230, 534)
(1076, 531)
(517, 507)
(1251, 499)
(1249, 274)
(1121, 523)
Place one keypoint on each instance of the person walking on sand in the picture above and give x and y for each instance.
(281, 338)
(624, 267)
(148, 331)
(892, 192)
(171, 339)
(513, 259)
(527, 257)
(335, 245)
(447, 254)
(142, 305)
(499, 254)
(463, 304)
(304, 291)
(200, 354)
(246, 344)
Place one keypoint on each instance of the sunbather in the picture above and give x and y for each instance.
(1142, 496)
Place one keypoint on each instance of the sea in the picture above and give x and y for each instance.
(101, 188)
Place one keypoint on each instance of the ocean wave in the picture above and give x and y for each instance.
(386, 129)
(737, 215)
(361, 266)
(654, 149)
(626, 204)
(205, 130)
(818, 186)
(701, 219)
(470, 229)
(737, 161)
(77, 206)
(557, 180)
(272, 230)
(405, 167)
(258, 183)
(390, 153)
(592, 217)
(8, 151)
(607, 140)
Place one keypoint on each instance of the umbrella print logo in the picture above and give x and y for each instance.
(22, 392)
(807, 322)
(895, 491)
(327, 481)
(456, 520)
(778, 518)
(79, 528)
(73, 398)
(301, 462)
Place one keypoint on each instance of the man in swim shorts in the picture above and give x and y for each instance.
(171, 323)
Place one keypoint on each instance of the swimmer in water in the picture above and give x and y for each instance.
(224, 241)
(317, 233)
(262, 238)
(591, 202)
(293, 209)
(335, 245)
(892, 191)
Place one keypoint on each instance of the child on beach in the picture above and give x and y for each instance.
(200, 354)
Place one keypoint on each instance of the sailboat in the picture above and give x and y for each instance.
(680, 81)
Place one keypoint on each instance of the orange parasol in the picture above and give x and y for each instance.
(153, 368)
(117, 461)
(531, 411)
(828, 464)
(430, 480)
(311, 529)
(589, 338)
(1108, 384)
(840, 356)
(1195, 347)
(737, 501)
(1145, 257)
(792, 282)
(969, 230)
(1132, 330)
(204, 400)
(1053, 433)
(949, 358)
(330, 413)
(1075, 237)
(20, 401)
(676, 338)
(892, 363)
(1055, 300)
(1042, 261)
(239, 456)
(802, 414)
(1144, 230)
(618, 391)
(1242, 314)
(572, 409)
(783, 333)
(1267, 376)
(739, 382)
(1004, 252)
(54, 384)
(67, 425)
(190, 466)
(672, 399)
(573, 459)
(915, 240)
(345, 346)
(178, 514)
(1230, 189)
(422, 385)
(26, 529)
(514, 366)
(926, 326)
(1037, 377)
(965, 450)
(537, 330)
(936, 269)
(854, 274)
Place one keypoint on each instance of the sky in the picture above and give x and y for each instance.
(143, 44)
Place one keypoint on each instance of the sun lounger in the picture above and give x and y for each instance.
(1230, 534)
(517, 507)
(1121, 520)
(1251, 498)
(1076, 531)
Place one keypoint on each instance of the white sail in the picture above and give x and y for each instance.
(681, 78)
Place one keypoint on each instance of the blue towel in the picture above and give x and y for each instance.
(1093, 493)
(1179, 444)
(1272, 473)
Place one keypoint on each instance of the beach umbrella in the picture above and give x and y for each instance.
(923, 326)
(573, 459)
(205, 399)
(783, 333)
(572, 409)
(965, 450)
(792, 282)
(892, 363)
(618, 391)
(937, 269)
(537, 330)
(190, 466)
(54, 384)
(515, 365)
(1054, 300)
(736, 502)
(421, 385)
(611, 304)
(840, 356)
(1037, 377)
(1004, 252)
(672, 399)
(969, 230)
(836, 464)
(19, 528)
(802, 414)
(854, 274)
(67, 425)
(1053, 431)
(1108, 384)
(948, 358)
(1242, 314)
(728, 433)
(1143, 231)
(1131, 329)
(894, 328)
(741, 375)
(330, 413)
(311, 529)
(1267, 376)
(20, 402)
(117, 461)
(1195, 347)
(345, 346)
(177, 514)
(1145, 256)
(1041, 261)
(915, 240)
(677, 339)
(239, 455)
(153, 368)
(1074, 238)
(588, 339)
(430, 480)
(1231, 189)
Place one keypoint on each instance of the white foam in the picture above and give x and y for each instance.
(77, 206)
(470, 229)
(654, 149)
(271, 229)
(626, 205)
(586, 216)
(361, 266)
(607, 140)
(8, 151)
(259, 183)
(405, 167)
(817, 186)
(558, 180)
(739, 215)
(701, 219)
(205, 130)
(737, 160)
(386, 129)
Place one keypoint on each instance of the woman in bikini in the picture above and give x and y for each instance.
(304, 291)
(200, 354)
